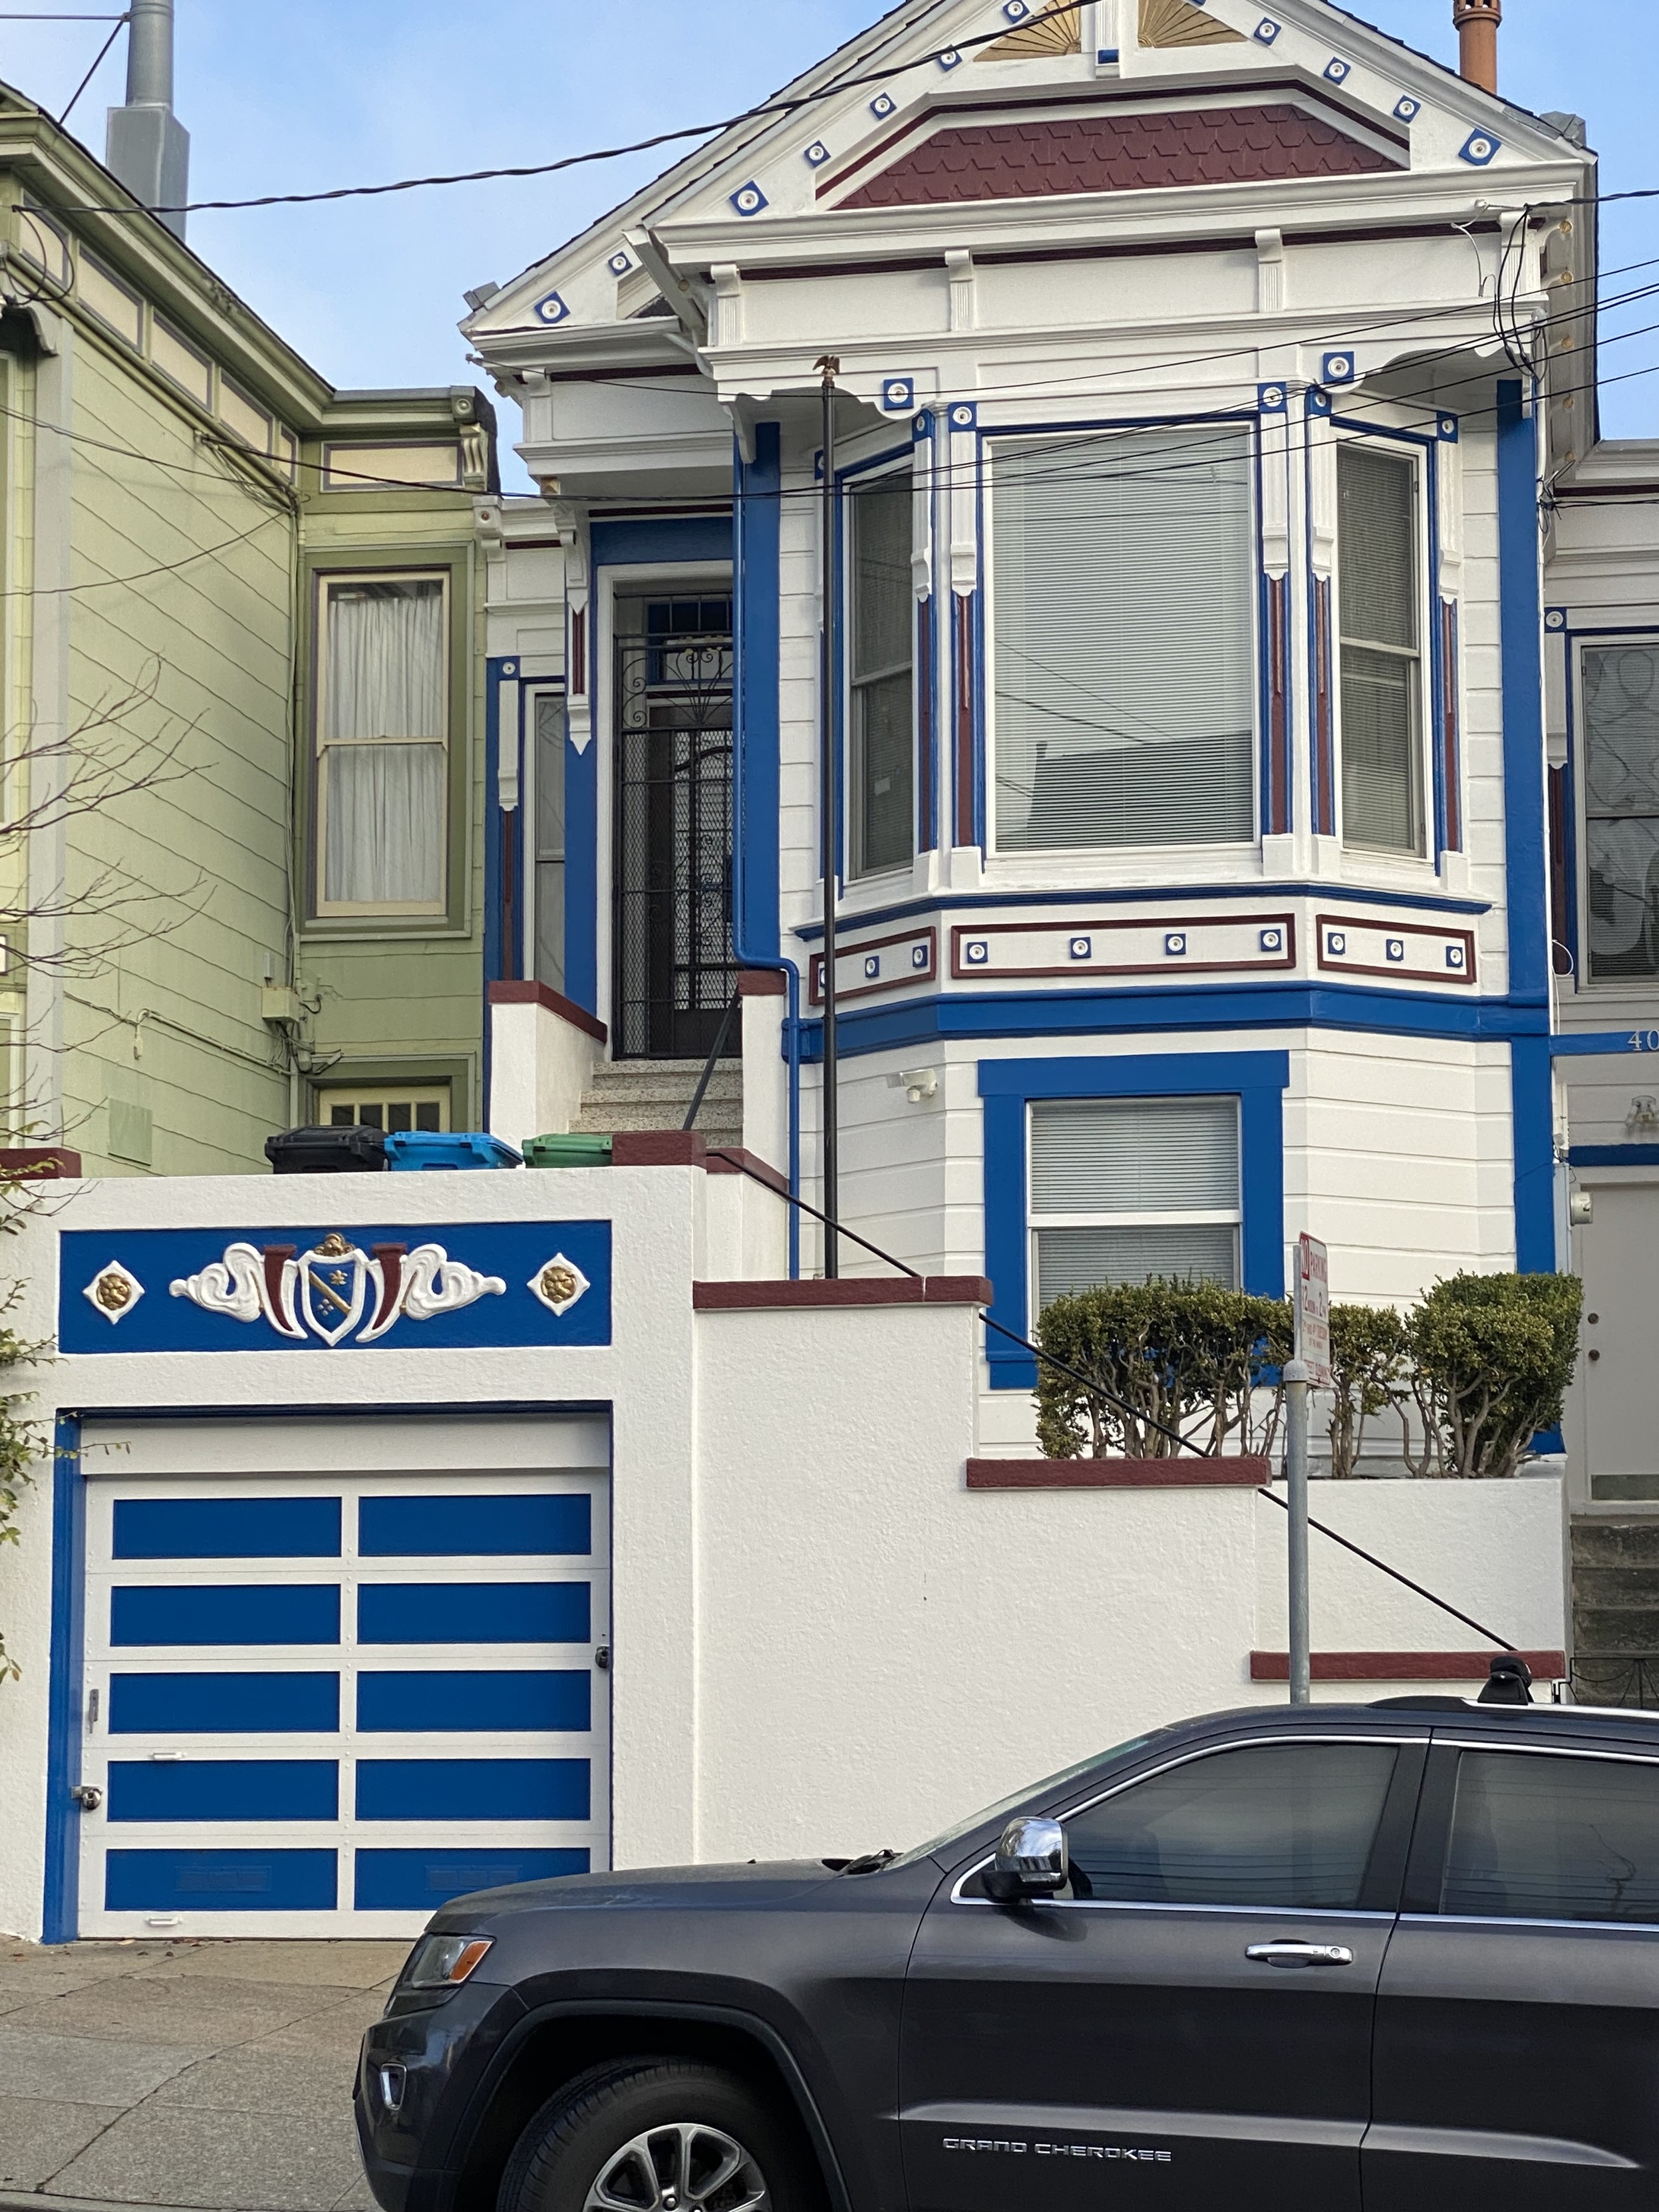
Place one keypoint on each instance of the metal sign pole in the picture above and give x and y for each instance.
(1310, 1364)
(828, 816)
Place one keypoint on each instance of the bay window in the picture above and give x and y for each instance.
(1619, 725)
(881, 626)
(1379, 623)
(1123, 592)
(382, 763)
(1133, 1190)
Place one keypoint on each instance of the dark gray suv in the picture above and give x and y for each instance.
(1399, 1957)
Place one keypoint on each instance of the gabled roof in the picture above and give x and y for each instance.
(902, 83)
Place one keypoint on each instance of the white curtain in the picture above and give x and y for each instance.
(384, 795)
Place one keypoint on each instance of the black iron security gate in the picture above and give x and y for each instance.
(675, 969)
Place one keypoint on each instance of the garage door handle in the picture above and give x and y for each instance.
(1300, 1954)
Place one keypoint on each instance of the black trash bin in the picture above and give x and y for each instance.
(327, 1151)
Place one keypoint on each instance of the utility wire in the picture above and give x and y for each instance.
(92, 71)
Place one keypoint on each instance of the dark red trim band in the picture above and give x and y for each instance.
(1400, 1666)
(1244, 1472)
(538, 994)
(846, 1291)
(38, 1163)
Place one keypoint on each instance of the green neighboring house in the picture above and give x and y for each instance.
(242, 705)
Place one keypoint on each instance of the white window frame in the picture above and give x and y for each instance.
(1612, 640)
(1411, 455)
(855, 483)
(532, 691)
(326, 910)
(1192, 1218)
(1132, 858)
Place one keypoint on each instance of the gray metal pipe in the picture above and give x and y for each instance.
(150, 54)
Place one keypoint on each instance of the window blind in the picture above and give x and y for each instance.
(1620, 719)
(1123, 597)
(1134, 1156)
(883, 622)
(1083, 1259)
(1377, 593)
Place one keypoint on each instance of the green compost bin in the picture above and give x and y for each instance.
(578, 1148)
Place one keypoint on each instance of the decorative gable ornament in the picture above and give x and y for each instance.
(748, 199)
(1478, 149)
(1053, 31)
(558, 1285)
(1180, 23)
(550, 308)
(114, 1290)
(329, 1292)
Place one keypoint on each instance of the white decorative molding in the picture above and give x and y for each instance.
(114, 1290)
(1270, 273)
(326, 1293)
(963, 306)
(557, 1285)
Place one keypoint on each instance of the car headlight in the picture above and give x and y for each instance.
(442, 1962)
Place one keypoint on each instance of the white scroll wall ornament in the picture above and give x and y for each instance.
(325, 1293)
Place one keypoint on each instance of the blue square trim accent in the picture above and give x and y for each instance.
(975, 951)
(1175, 942)
(1336, 941)
(818, 153)
(1082, 948)
(1338, 368)
(1272, 399)
(1395, 948)
(1270, 940)
(898, 394)
(1555, 618)
(1108, 56)
(882, 106)
(1336, 69)
(1266, 31)
(1015, 10)
(1454, 955)
(1479, 147)
(1446, 429)
(550, 308)
(1405, 109)
(917, 956)
(620, 263)
(949, 58)
(748, 199)
(922, 425)
(963, 414)
(1319, 400)
(873, 966)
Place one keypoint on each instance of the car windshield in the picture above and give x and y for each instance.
(937, 1845)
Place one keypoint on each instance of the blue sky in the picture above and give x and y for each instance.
(324, 92)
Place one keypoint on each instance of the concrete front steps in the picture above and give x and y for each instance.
(1615, 1611)
(656, 1094)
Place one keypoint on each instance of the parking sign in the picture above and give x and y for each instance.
(1313, 1309)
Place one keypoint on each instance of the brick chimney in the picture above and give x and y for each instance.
(1476, 24)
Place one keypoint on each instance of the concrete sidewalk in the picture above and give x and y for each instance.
(209, 2076)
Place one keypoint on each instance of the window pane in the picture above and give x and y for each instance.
(1621, 723)
(1083, 1259)
(386, 660)
(1379, 751)
(1134, 1156)
(881, 753)
(1288, 1825)
(882, 615)
(549, 841)
(882, 594)
(384, 811)
(1123, 588)
(1377, 546)
(1536, 1837)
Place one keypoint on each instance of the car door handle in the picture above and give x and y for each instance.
(1299, 1954)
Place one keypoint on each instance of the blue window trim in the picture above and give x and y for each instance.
(1527, 872)
(1257, 1079)
(1250, 419)
(941, 902)
(65, 1691)
(1429, 611)
(1614, 1156)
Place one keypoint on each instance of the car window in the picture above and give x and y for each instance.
(1536, 1837)
(936, 1845)
(1287, 1823)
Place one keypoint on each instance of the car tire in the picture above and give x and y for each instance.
(651, 2134)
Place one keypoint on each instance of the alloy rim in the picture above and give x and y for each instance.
(685, 2166)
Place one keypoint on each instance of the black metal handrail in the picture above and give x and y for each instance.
(1616, 1678)
(715, 1052)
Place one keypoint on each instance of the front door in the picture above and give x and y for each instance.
(675, 970)
(323, 1704)
(1199, 2009)
(1618, 1255)
(1517, 2025)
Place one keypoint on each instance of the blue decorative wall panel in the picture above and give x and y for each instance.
(226, 1529)
(540, 1284)
(419, 1881)
(220, 1881)
(256, 1612)
(223, 1704)
(473, 1613)
(453, 1527)
(224, 1790)
(416, 1701)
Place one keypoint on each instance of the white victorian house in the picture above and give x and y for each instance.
(1198, 372)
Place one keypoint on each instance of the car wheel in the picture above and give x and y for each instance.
(657, 2135)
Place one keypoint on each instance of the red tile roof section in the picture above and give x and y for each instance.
(1118, 153)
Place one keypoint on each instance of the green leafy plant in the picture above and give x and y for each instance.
(1491, 1359)
(19, 1442)
(1369, 1374)
(1190, 1358)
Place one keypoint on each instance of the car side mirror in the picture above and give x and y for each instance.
(1031, 1860)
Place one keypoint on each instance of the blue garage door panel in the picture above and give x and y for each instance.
(473, 1613)
(227, 1528)
(482, 1703)
(223, 1704)
(419, 1881)
(220, 1881)
(224, 1790)
(472, 1789)
(259, 1613)
(495, 1527)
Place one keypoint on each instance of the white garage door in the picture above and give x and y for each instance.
(325, 1704)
